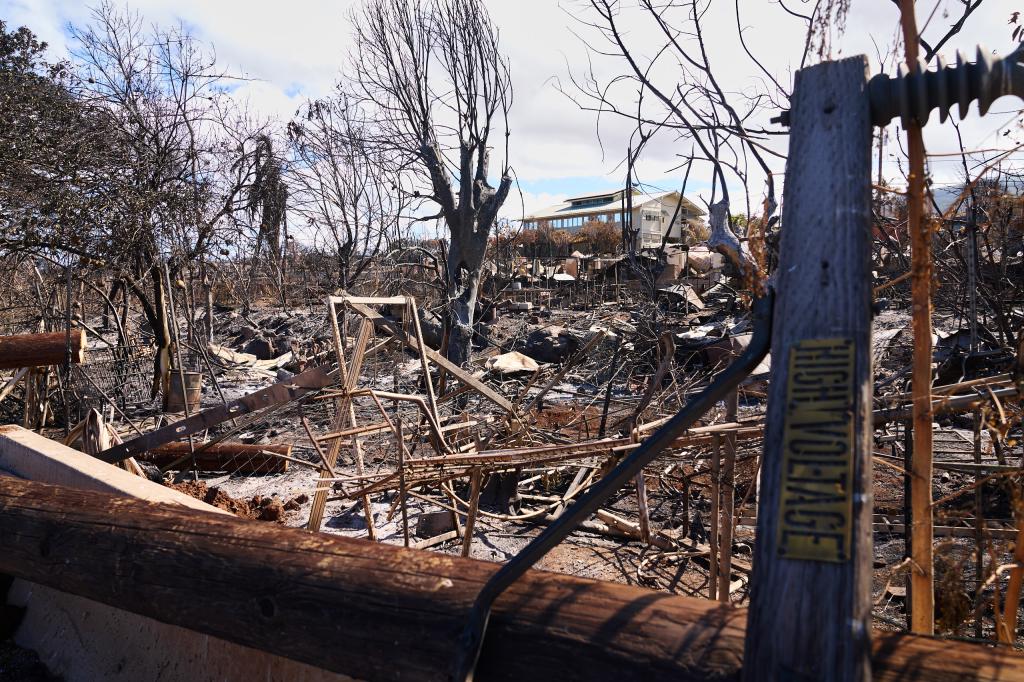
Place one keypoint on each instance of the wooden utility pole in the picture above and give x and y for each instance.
(810, 608)
(921, 571)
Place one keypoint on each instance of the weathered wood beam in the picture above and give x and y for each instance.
(269, 397)
(381, 612)
(810, 609)
(371, 611)
(435, 357)
(727, 507)
(474, 506)
(40, 350)
(13, 381)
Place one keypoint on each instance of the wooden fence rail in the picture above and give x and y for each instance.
(380, 612)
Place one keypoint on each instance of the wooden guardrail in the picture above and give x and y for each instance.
(380, 612)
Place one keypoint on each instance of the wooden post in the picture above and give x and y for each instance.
(908, 514)
(727, 488)
(402, 490)
(28, 417)
(1007, 630)
(979, 525)
(685, 529)
(36, 394)
(424, 363)
(713, 522)
(811, 586)
(921, 570)
(474, 506)
(641, 506)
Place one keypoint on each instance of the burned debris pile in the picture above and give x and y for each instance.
(365, 429)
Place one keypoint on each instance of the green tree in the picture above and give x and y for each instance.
(58, 156)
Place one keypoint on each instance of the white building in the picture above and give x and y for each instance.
(651, 212)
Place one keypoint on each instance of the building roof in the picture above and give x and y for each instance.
(587, 204)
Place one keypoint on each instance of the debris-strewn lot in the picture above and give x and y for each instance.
(586, 378)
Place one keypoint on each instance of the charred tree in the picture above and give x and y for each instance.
(439, 87)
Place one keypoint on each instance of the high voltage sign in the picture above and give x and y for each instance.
(817, 467)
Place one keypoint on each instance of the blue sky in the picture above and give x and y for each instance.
(295, 50)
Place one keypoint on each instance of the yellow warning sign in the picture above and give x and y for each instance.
(817, 462)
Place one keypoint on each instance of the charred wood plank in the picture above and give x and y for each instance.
(277, 394)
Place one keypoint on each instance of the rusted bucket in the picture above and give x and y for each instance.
(193, 390)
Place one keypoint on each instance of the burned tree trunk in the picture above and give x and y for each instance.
(461, 317)
(396, 41)
(725, 241)
(464, 269)
(161, 334)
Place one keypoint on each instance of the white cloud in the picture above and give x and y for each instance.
(296, 49)
(267, 100)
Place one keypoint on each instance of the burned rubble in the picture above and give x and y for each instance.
(569, 387)
(310, 399)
